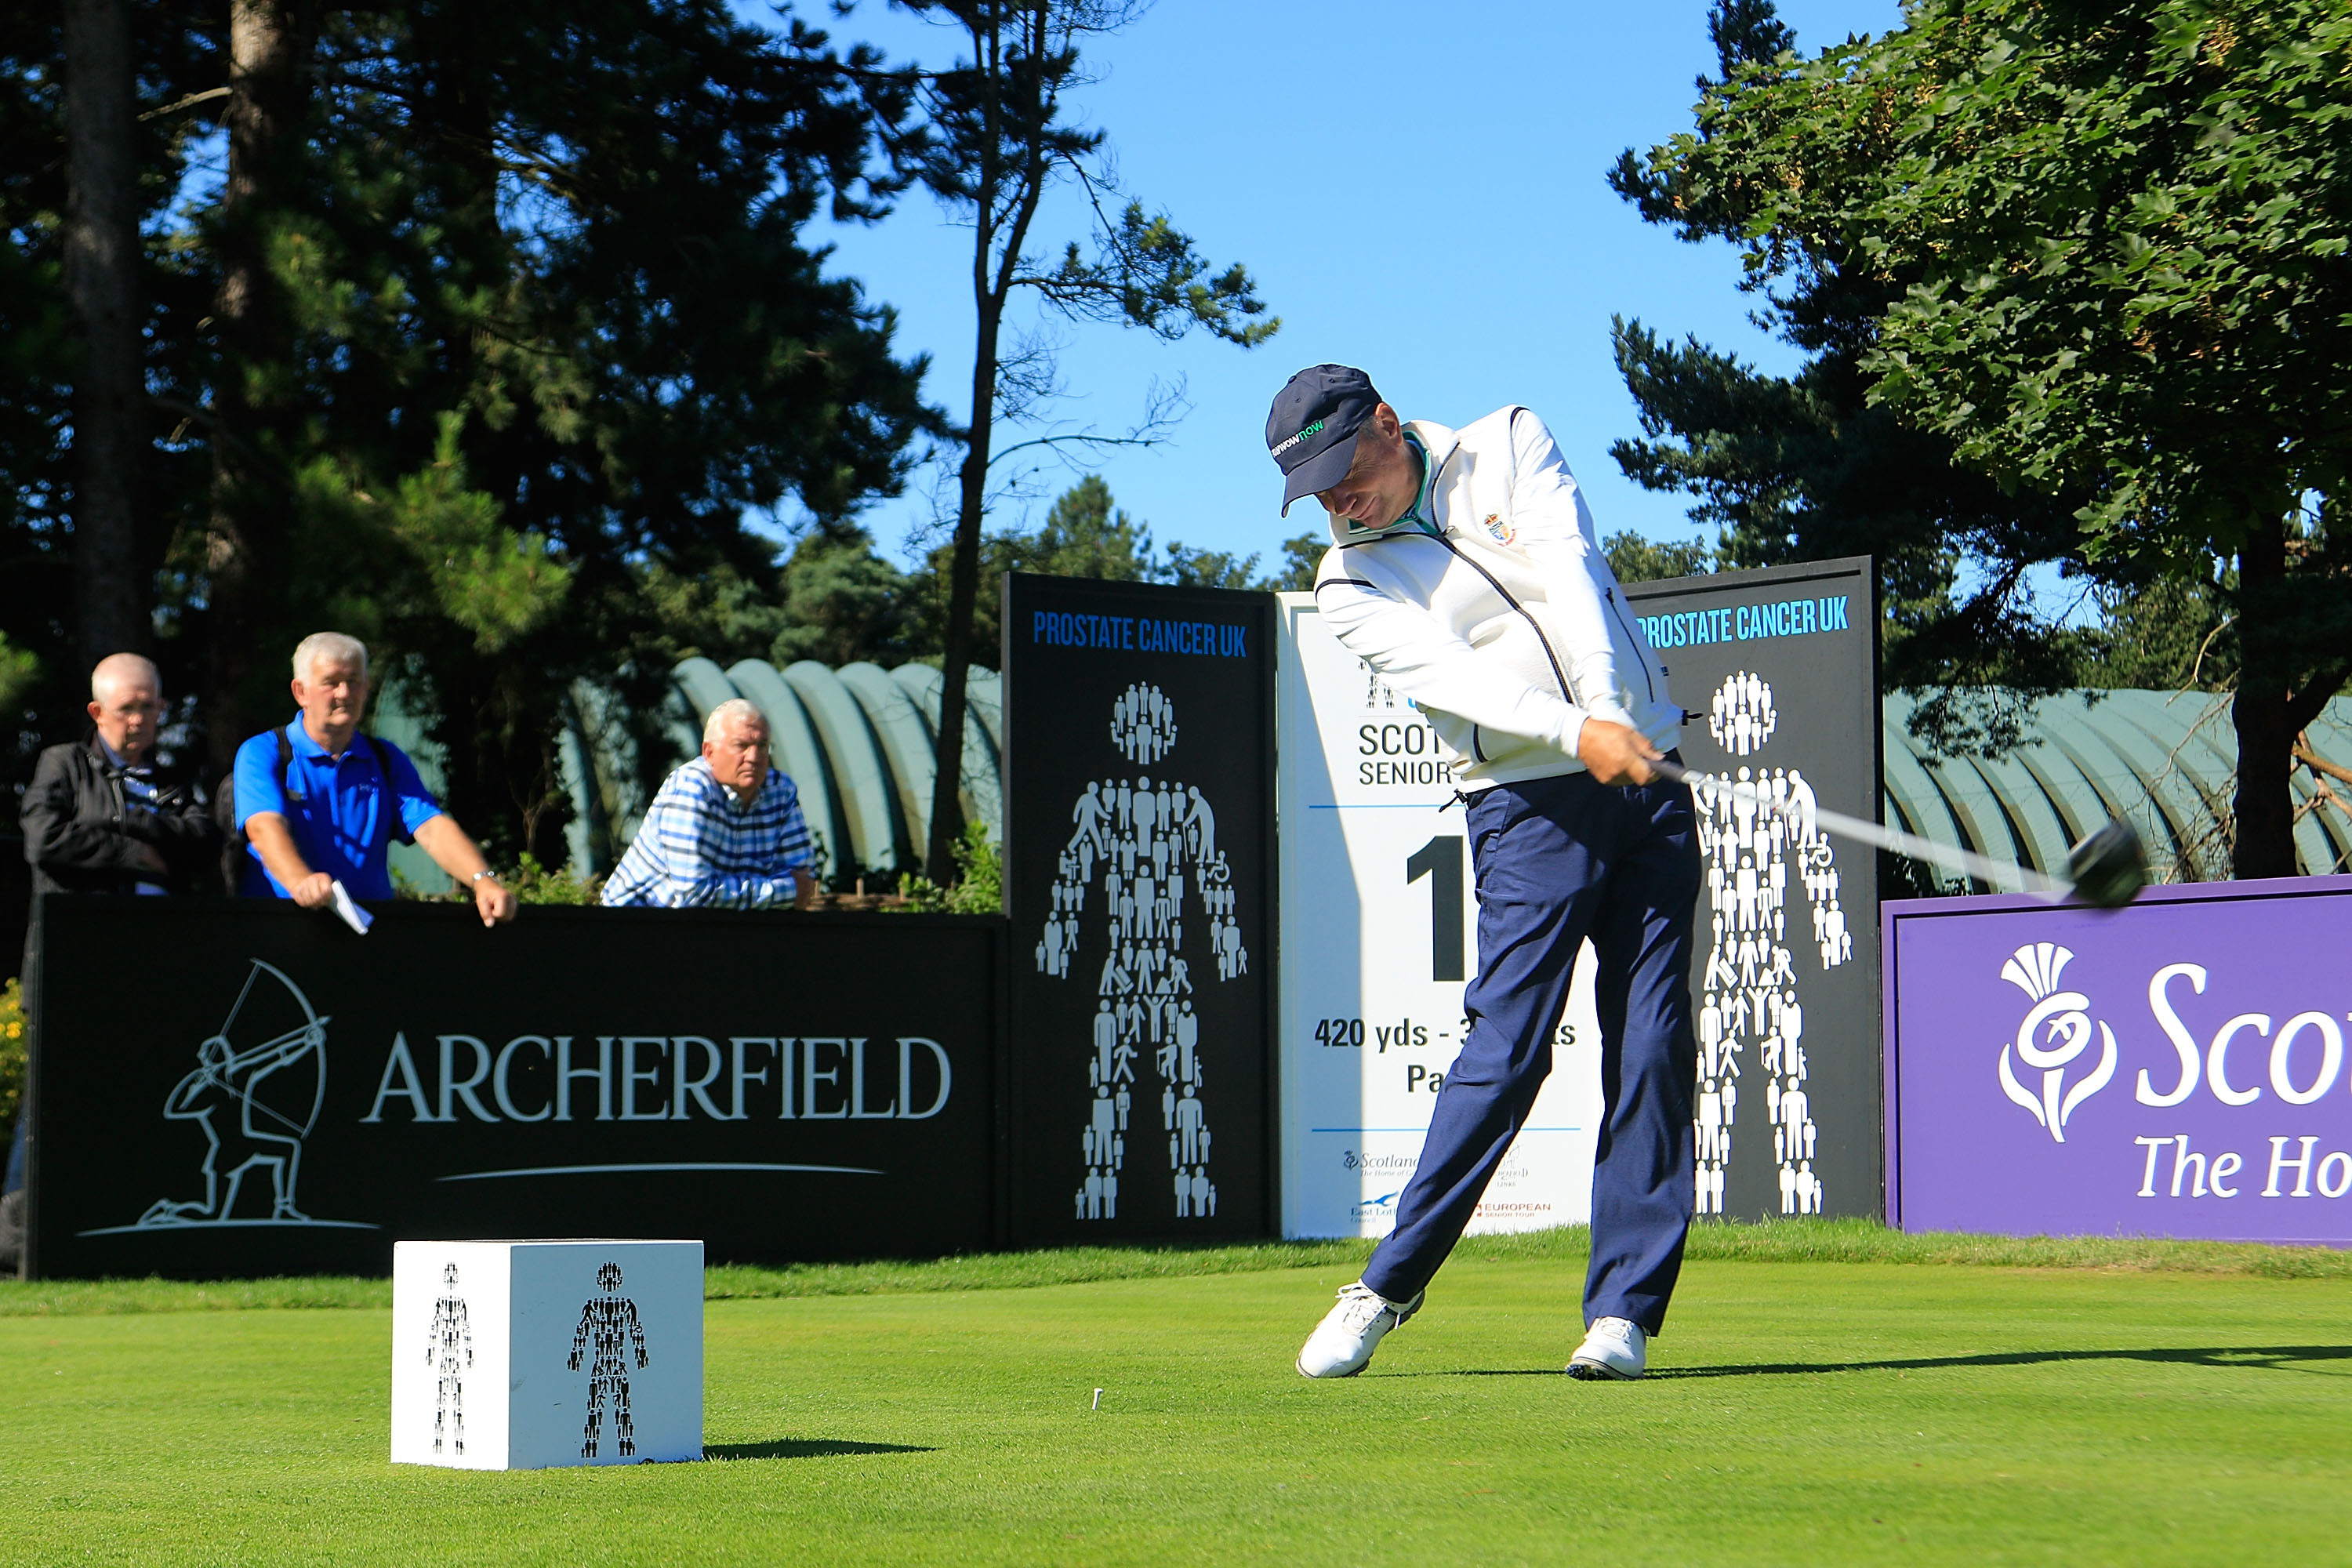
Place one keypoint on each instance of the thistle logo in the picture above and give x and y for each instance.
(2054, 1033)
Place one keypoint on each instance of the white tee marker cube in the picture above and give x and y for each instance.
(524, 1355)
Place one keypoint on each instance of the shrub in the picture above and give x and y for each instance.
(979, 889)
(12, 1052)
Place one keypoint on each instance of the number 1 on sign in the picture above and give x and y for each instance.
(1440, 860)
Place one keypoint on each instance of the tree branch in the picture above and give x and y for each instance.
(190, 101)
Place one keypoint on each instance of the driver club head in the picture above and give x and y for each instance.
(2109, 867)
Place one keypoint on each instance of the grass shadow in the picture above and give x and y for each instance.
(804, 1448)
(2274, 1358)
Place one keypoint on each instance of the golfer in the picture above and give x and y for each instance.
(1465, 571)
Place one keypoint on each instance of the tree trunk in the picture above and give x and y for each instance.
(245, 546)
(2264, 807)
(496, 713)
(963, 593)
(112, 588)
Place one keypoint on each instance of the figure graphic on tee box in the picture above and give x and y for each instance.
(1749, 990)
(608, 1330)
(1155, 846)
(450, 1353)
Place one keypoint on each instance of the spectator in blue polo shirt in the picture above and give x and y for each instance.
(319, 802)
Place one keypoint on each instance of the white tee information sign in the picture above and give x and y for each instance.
(524, 1355)
(1378, 936)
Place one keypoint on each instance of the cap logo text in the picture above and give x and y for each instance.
(1313, 429)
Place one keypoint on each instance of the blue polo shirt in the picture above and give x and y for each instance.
(336, 806)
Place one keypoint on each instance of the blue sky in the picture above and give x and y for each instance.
(1417, 190)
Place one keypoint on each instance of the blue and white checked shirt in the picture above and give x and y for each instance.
(700, 847)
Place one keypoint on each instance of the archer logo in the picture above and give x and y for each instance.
(2054, 1033)
(254, 1095)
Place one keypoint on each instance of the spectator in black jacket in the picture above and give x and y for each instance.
(100, 818)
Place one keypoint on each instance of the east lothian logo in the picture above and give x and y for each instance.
(2053, 1036)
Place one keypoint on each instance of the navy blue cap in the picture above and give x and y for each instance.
(1311, 431)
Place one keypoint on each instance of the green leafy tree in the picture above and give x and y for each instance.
(2173, 633)
(1190, 568)
(998, 133)
(1300, 556)
(498, 328)
(1087, 534)
(1806, 467)
(1634, 559)
(842, 602)
(2113, 242)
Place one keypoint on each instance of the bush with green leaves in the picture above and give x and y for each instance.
(979, 888)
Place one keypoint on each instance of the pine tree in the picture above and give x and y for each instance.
(997, 133)
(1807, 466)
(501, 321)
(2111, 241)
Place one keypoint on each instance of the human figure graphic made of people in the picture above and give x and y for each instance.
(1749, 992)
(608, 1330)
(449, 1351)
(1151, 849)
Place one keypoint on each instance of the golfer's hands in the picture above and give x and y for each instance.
(1614, 754)
(315, 891)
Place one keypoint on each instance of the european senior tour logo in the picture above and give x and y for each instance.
(2053, 1034)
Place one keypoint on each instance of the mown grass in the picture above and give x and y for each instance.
(2095, 1406)
(1778, 1241)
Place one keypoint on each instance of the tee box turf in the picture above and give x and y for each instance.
(524, 1355)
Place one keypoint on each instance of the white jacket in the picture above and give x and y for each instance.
(1510, 630)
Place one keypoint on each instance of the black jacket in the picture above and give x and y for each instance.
(80, 838)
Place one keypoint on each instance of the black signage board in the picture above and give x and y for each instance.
(1139, 871)
(1778, 670)
(239, 1088)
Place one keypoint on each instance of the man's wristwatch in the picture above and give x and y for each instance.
(478, 876)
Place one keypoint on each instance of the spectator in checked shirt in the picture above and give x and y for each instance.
(724, 831)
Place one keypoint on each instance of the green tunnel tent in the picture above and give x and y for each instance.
(796, 751)
(860, 742)
(2162, 761)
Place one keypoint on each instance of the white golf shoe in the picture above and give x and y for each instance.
(1612, 1348)
(1343, 1343)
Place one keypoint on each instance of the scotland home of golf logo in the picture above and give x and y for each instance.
(2176, 1069)
(2055, 1034)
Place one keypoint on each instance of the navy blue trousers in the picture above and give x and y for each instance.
(1559, 860)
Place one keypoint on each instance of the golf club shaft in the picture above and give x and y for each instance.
(2022, 879)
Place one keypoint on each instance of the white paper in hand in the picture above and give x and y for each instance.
(358, 919)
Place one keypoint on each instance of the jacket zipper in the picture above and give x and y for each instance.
(1648, 685)
(1567, 692)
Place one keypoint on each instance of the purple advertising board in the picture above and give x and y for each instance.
(2175, 1068)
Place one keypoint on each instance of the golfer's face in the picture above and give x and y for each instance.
(1380, 483)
